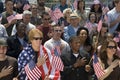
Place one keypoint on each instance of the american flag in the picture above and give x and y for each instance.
(97, 67)
(47, 68)
(99, 25)
(56, 14)
(56, 61)
(14, 16)
(89, 26)
(10, 18)
(18, 16)
(32, 71)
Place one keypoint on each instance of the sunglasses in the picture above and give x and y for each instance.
(111, 47)
(58, 30)
(37, 38)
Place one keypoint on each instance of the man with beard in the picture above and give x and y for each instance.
(42, 7)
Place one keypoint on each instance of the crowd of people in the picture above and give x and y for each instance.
(64, 42)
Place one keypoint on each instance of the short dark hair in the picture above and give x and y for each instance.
(72, 38)
(116, 1)
(78, 2)
(7, 1)
(104, 25)
(18, 23)
(44, 13)
(91, 14)
(82, 28)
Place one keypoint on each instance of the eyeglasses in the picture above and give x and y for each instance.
(111, 47)
(37, 38)
(58, 30)
(47, 19)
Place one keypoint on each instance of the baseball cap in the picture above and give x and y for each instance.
(3, 42)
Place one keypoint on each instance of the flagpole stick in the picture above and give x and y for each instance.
(20, 73)
(22, 70)
(95, 47)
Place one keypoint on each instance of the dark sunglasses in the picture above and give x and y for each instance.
(111, 47)
(37, 38)
(58, 30)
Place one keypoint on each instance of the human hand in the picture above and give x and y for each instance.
(41, 60)
(47, 77)
(114, 64)
(15, 78)
(80, 62)
(87, 68)
(6, 71)
(50, 34)
(13, 21)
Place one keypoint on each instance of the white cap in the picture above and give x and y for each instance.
(96, 2)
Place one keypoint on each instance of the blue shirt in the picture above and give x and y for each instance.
(63, 7)
(112, 16)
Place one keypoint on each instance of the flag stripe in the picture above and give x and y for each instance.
(35, 71)
(56, 14)
(56, 74)
(45, 68)
(99, 25)
(97, 67)
(57, 62)
(32, 71)
(29, 75)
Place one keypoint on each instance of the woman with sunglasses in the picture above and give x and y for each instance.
(109, 61)
(34, 59)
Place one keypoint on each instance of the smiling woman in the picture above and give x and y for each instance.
(109, 60)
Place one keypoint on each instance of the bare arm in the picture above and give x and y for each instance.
(113, 23)
(109, 69)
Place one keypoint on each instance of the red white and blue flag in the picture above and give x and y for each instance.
(13, 17)
(32, 71)
(99, 25)
(97, 67)
(55, 14)
(56, 61)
